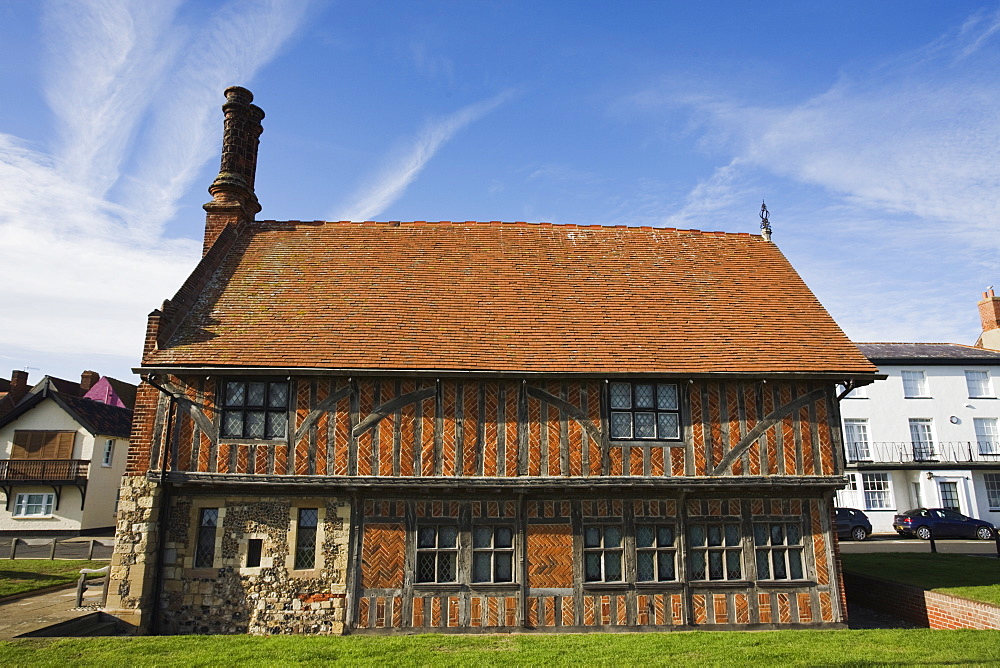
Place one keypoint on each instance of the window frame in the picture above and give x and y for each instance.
(206, 534)
(657, 551)
(867, 477)
(707, 549)
(436, 552)
(921, 449)
(226, 409)
(602, 552)
(854, 454)
(992, 440)
(107, 460)
(493, 551)
(302, 532)
(988, 394)
(785, 549)
(992, 480)
(922, 389)
(22, 503)
(654, 410)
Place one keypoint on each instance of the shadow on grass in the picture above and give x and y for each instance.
(928, 571)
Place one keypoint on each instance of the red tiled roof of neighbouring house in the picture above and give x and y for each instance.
(511, 297)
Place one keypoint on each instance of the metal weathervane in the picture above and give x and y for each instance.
(765, 224)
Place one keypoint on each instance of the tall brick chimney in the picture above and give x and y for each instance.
(88, 379)
(233, 198)
(989, 315)
(18, 385)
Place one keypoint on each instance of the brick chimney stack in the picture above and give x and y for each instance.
(18, 385)
(233, 198)
(989, 315)
(88, 379)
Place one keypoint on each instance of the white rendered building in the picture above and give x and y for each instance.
(927, 435)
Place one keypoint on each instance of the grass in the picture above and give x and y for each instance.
(976, 578)
(23, 575)
(763, 648)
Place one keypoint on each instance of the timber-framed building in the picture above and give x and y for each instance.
(458, 427)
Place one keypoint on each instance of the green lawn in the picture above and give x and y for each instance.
(765, 648)
(976, 578)
(21, 575)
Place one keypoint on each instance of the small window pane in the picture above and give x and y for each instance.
(232, 425)
(308, 517)
(481, 567)
(732, 534)
(278, 396)
(612, 536)
(482, 537)
(504, 571)
(621, 425)
(255, 394)
(621, 395)
(612, 566)
(794, 534)
(447, 536)
(209, 517)
(277, 425)
(715, 571)
(733, 569)
(426, 537)
(665, 536)
(795, 564)
(667, 425)
(666, 397)
(446, 567)
(592, 537)
(714, 534)
(255, 424)
(504, 537)
(777, 534)
(234, 394)
(643, 396)
(425, 567)
(665, 562)
(697, 561)
(645, 427)
(697, 534)
(644, 566)
(763, 569)
(760, 534)
(778, 560)
(644, 536)
(592, 565)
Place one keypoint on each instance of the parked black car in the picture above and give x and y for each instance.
(852, 523)
(942, 523)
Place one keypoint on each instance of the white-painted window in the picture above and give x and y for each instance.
(993, 490)
(914, 384)
(856, 393)
(987, 436)
(878, 492)
(922, 438)
(33, 505)
(979, 384)
(109, 452)
(856, 439)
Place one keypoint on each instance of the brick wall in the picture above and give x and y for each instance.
(926, 608)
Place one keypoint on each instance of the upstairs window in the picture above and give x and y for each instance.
(987, 436)
(978, 383)
(109, 452)
(914, 385)
(856, 438)
(645, 411)
(255, 409)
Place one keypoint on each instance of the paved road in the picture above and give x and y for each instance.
(893, 543)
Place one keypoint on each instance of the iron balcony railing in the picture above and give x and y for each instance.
(43, 470)
(907, 452)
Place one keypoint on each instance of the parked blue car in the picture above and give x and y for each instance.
(941, 523)
(853, 523)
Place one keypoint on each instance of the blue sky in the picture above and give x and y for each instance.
(872, 130)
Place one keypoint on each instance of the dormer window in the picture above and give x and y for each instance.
(255, 409)
(645, 411)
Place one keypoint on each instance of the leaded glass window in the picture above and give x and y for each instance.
(778, 549)
(437, 553)
(255, 409)
(305, 538)
(655, 553)
(603, 549)
(208, 522)
(645, 411)
(716, 551)
(492, 553)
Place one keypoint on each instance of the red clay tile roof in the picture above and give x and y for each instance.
(511, 297)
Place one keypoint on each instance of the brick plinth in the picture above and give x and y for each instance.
(926, 608)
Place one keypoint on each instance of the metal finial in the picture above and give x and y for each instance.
(765, 224)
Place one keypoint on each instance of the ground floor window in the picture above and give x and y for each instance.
(716, 551)
(877, 491)
(305, 538)
(603, 549)
(778, 549)
(437, 553)
(655, 553)
(993, 489)
(33, 505)
(493, 553)
(208, 523)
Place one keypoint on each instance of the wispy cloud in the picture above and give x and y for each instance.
(407, 163)
(134, 93)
